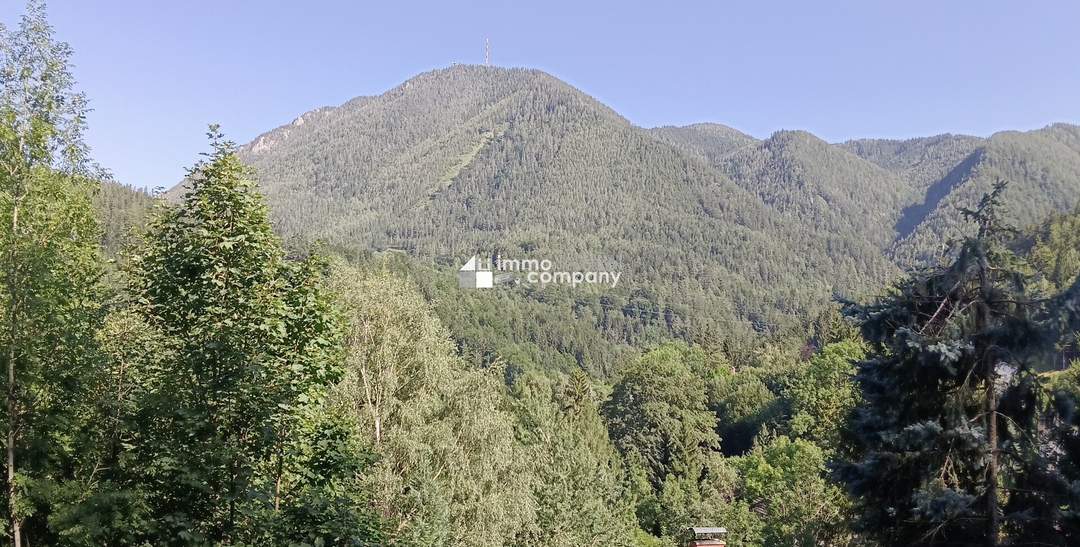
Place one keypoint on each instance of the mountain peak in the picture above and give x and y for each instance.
(470, 157)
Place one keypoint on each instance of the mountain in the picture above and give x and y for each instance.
(899, 196)
(851, 204)
(1042, 168)
(718, 235)
(829, 190)
(480, 159)
(922, 161)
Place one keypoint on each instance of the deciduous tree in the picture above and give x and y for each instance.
(48, 244)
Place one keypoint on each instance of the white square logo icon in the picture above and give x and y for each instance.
(473, 276)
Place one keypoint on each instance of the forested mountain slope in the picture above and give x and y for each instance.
(709, 141)
(1042, 168)
(899, 196)
(718, 234)
(119, 207)
(471, 158)
(921, 161)
(849, 201)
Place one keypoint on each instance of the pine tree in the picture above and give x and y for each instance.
(936, 453)
(1064, 473)
(657, 414)
(1051, 491)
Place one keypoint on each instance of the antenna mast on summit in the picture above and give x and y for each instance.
(487, 52)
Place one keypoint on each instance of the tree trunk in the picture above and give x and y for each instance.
(992, 471)
(378, 427)
(279, 470)
(982, 317)
(277, 487)
(16, 525)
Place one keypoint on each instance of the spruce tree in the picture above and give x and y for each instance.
(936, 454)
(1052, 489)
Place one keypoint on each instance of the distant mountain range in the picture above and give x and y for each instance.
(706, 220)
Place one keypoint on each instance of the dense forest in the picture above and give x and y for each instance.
(723, 238)
(276, 351)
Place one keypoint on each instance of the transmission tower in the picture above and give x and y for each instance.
(487, 52)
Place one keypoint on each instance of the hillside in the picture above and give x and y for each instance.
(719, 235)
(897, 196)
(851, 202)
(921, 161)
(119, 207)
(709, 141)
(950, 172)
(470, 159)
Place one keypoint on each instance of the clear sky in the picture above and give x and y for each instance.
(158, 71)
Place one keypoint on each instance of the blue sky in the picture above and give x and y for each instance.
(157, 72)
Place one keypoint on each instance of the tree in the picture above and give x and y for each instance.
(100, 504)
(1048, 497)
(1055, 251)
(1055, 254)
(320, 495)
(1062, 474)
(580, 488)
(932, 456)
(450, 470)
(823, 394)
(48, 240)
(250, 346)
(786, 482)
(744, 405)
(657, 418)
(657, 413)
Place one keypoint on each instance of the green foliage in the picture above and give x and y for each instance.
(943, 346)
(823, 394)
(657, 414)
(449, 470)
(548, 330)
(744, 405)
(323, 500)
(120, 209)
(1067, 380)
(786, 482)
(1062, 483)
(580, 488)
(105, 506)
(1055, 252)
(49, 295)
(249, 344)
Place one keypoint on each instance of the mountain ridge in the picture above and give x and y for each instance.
(708, 220)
